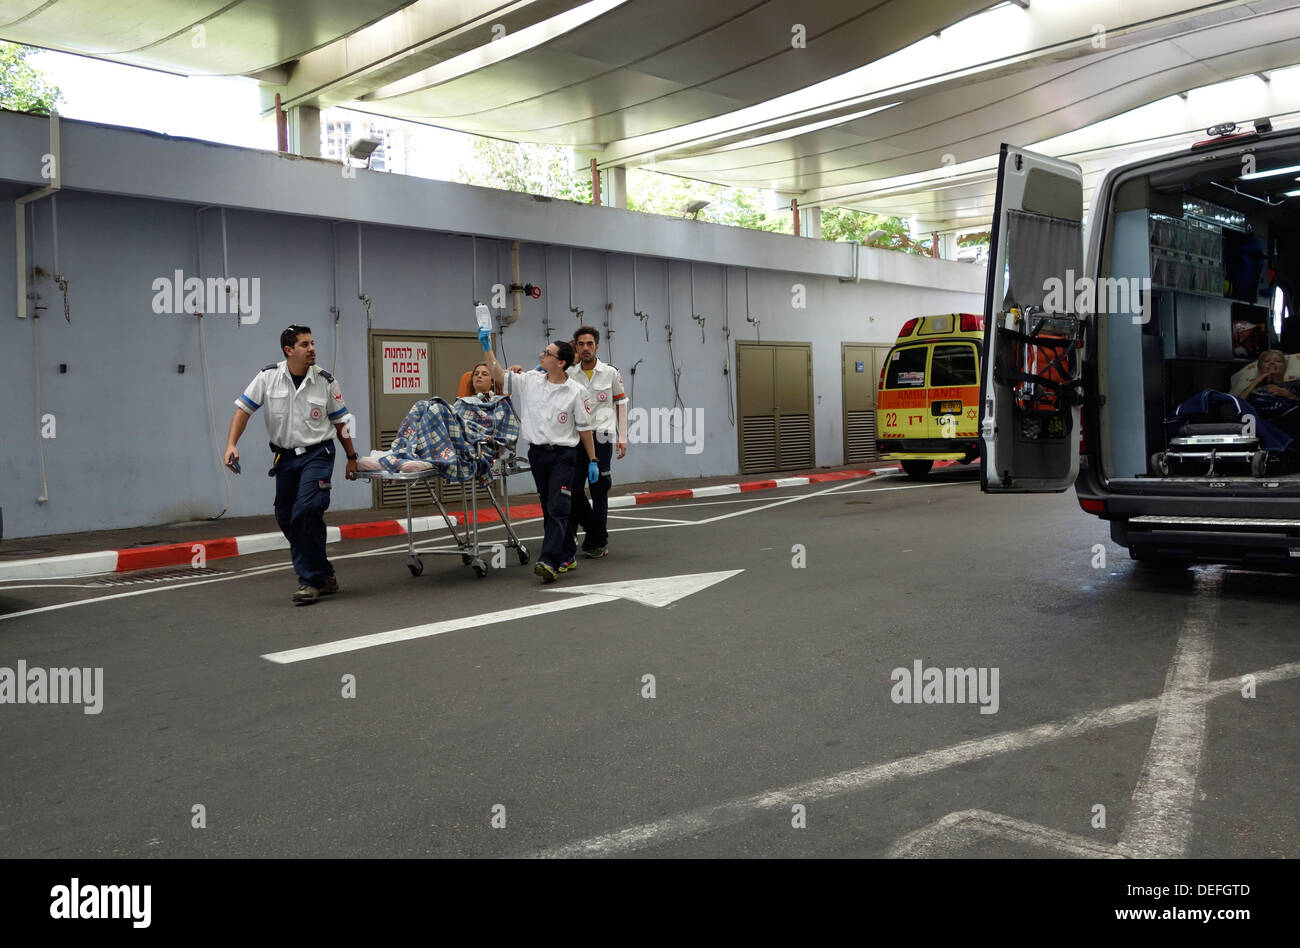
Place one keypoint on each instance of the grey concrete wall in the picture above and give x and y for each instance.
(133, 441)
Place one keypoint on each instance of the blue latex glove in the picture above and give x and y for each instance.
(485, 339)
(593, 472)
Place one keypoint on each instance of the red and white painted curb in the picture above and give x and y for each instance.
(200, 551)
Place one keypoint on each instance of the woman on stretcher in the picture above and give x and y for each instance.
(436, 434)
(1274, 400)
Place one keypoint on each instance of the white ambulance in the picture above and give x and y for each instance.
(1131, 371)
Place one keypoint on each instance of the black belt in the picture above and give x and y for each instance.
(276, 449)
(554, 447)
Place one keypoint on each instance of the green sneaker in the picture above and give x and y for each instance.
(306, 595)
(570, 563)
(546, 571)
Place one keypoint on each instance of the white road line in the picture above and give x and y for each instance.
(242, 574)
(432, 628)
(956, 831)
(253, 571)
(776, 503)
(646, 519)
(735, 811)
(1160, 825)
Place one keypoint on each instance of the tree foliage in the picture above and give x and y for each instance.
(531, 169)
(549, 170)
(653, 193)
(23, 87)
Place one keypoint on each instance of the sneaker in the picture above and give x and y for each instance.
(331, 585)
(596, 552)
(306, 595)
(546, 571)
(570, 563)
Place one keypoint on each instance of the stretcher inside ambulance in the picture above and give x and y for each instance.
(1134, 372)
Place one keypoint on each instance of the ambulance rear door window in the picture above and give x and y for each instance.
(907, 368)
(953, 365)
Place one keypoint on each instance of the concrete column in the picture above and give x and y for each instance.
(616, 187)
(304, 131)
(812, 222)
(948, 246)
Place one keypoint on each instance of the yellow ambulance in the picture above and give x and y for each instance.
(927, 402)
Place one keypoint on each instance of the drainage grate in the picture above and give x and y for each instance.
(157, 576)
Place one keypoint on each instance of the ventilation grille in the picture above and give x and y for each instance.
(758, 451)
(796, 447)
(861, 440)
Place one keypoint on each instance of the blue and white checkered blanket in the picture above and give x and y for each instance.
(447, 435)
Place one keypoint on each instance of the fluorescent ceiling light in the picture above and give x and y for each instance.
(496, 51)
(1291, 194)
(1269, 174)
(804, 129)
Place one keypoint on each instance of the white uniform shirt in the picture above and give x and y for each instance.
(295, 418)
(549, 412)
(604, 390)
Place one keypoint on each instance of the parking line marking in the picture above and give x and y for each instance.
(705, 819)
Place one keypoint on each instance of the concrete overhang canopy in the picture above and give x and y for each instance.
(894, 106)
(196, 38)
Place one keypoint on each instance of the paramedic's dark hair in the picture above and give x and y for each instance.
(564, 352)
(290, 336)
(587, 331)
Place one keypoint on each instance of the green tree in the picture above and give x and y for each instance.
(531, 169)
(889, 233)
(652, 192)
(23, 87)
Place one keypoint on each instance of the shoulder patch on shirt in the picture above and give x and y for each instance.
(326, 375)
(273, 365)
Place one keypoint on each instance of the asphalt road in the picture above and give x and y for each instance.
(1117, 724)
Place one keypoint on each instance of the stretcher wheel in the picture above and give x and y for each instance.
(480, 568)
(1259, 463)
(466, 558)
(523, 555)
(415, 565)
(1160, 463)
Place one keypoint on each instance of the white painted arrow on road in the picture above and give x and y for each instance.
(650, 592)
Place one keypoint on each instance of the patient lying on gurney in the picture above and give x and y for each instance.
(1275, 400)
(435, 434)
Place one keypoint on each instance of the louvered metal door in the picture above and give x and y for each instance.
(774, 390)
(860, 368)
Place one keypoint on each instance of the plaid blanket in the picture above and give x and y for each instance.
(447, 435)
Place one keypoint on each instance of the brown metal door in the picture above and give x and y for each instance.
(860, 368)
(406, 367)
(774, 391)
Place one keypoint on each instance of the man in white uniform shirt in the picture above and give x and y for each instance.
(304, 407)
(604, 387)
(554, 418)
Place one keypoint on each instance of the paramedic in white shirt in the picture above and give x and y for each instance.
(553, 418)
(604, 387)
(304, 408)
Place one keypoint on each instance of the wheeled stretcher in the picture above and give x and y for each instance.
(461, 451)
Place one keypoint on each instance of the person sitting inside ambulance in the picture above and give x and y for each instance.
(1272, 367)
(1275, 401)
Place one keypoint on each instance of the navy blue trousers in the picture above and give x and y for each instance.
(592, 517)
(302, 495)
(554, 476)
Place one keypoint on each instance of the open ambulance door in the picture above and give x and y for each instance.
(1033, 336)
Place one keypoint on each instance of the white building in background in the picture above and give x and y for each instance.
(339, 128)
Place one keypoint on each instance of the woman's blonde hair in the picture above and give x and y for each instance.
(1270, 352)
